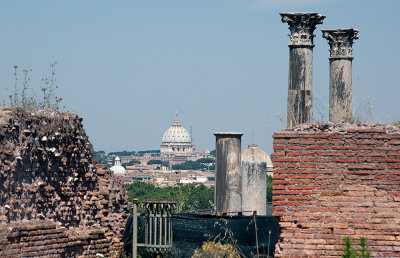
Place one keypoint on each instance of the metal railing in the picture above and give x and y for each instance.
(158, 226)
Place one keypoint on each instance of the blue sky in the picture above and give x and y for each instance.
(126, 67)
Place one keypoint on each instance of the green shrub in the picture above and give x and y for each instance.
(212, 249)
(350, 252)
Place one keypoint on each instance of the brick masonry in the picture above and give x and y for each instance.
(333, 181)
(55, 200)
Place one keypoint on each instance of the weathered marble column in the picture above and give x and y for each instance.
(301, 26)
(228, 196)
(340, 92)
(254, 179)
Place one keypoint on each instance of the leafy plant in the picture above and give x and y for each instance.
(26, 98)
(215, 249)
(350, 252)
(227, 237)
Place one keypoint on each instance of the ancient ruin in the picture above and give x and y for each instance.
(254, 179)
(302, 26)
(340, 61)
(55, 200)
(228, 197)
(333, 181)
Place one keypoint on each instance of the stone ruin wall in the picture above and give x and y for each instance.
(333, 181)
(54, 199)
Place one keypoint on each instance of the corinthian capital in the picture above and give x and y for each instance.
(341, 42)
(302, 26)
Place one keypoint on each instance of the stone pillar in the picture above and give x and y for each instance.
(340, 60)
(301, 26)
(254, 180)
(228, 196)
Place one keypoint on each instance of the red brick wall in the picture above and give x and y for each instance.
(47, 173)
(46, 238)
(336, 181)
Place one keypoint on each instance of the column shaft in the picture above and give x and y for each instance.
(340, 92)
(340, 84)
(254, 179)
(228, 197)
(301, 26)
(299, 109)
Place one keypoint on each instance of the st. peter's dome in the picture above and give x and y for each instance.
(176, 133)
(176, 141)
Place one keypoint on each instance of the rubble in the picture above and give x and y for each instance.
(48, 174)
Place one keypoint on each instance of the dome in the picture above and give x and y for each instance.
(117, 168)
(255, 154)
(176, 133)
(205, 151)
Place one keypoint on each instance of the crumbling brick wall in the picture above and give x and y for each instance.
(333, 181)
(48, 174)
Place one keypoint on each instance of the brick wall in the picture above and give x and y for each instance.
(333, 181)
(48, 174)
(46, 238)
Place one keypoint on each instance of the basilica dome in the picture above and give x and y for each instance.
(176, 142)
(117, 168)
(176, 133)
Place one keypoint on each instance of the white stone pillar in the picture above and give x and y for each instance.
(340, 60)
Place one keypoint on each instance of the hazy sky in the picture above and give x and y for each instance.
(127, 66)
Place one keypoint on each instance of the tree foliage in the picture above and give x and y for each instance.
(152, 152)
(131, 163)
(100, 156)
(206, 160)
(122, 153)
(158, 162)
(189, 165)
(189, 197)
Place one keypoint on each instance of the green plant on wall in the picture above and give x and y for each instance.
(23, 96)
(350, 252)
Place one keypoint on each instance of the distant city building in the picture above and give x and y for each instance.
(117, 168)
(205, 153)
(176, 145)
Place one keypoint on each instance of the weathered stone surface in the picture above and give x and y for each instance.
(301, 26)
(228, 196)
(48, 174)
(340, 86)
(253, 180)
(337, 180)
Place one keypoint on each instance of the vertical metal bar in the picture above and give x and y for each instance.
(165, 229)
(134, 231)
(155, 228)
(150, 218)
(170, 229)
(146, 230)
(161, 227)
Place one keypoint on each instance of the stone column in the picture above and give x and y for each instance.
(340, 60)
(254, 179)
(228, 197)
(301, 26)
